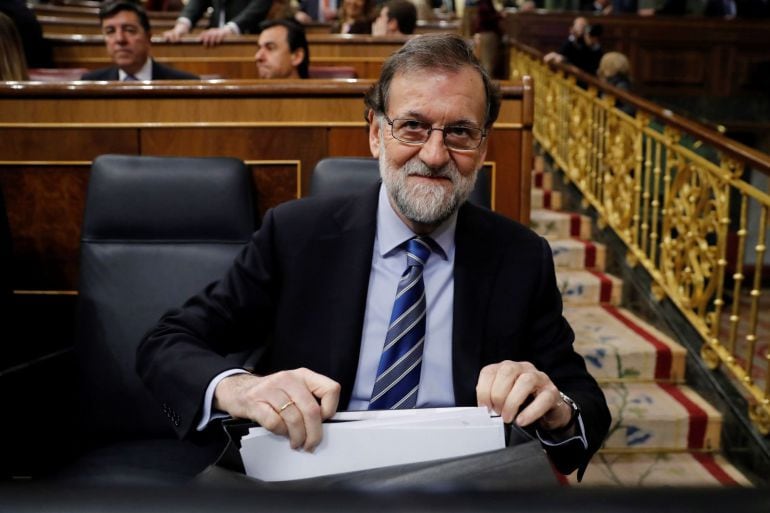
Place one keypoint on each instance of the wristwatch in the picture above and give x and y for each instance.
(575, 411)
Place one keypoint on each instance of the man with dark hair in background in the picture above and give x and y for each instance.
(396, 18)
(127, 35)
(282, 50)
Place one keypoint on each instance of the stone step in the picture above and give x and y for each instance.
(580, 287)
(660, 417)
(545, 198)
(618, 346)
(553, 224)
(659, 469)
(578, 254)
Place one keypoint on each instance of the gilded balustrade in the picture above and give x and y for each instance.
(678, 195)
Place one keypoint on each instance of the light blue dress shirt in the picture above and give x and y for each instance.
(388, 265)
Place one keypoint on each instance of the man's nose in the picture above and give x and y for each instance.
(434, 152)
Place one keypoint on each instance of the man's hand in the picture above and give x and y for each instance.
(504, 387)
(285, 403)
(214, 36)
(175, 34)
(553, 57)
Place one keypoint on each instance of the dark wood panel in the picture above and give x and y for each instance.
(56, 144)
(274, 184)
(45, 213)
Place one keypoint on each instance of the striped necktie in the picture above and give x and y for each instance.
(398, 375)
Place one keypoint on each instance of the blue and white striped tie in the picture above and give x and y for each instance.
(398, 375)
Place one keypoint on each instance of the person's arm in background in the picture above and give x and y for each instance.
(191, 13)
(245, 22)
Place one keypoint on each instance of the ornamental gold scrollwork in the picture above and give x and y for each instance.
(619, 174)
(689, 246)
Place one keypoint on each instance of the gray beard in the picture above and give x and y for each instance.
(425, 203)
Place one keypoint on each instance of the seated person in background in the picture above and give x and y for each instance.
(615, 69)
(397, 18)
(37, 49)
(354, 17)
(282, 50)
(582, 48)
(13, 65)
(477, 318)
(228, 18)
(316, 11)
(127, 34)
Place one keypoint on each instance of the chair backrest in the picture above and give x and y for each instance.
(337, 175)
(156, 230)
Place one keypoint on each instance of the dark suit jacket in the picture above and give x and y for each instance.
(247, 14)
(297, 293)
(159, 72)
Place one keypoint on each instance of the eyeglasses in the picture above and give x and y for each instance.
(456, 137)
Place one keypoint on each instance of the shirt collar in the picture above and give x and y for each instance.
(145, 73)
(392, 232)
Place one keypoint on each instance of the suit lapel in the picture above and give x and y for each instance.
(351, 241)
(475, 264)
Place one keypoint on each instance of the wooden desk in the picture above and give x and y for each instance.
(50, 133)
(235, 57)
(53, 25)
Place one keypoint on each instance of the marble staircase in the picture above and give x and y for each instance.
(662, 433)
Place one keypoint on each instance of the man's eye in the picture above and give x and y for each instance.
(413, 125)
(458, 131)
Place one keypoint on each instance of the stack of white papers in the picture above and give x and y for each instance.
(364, 440)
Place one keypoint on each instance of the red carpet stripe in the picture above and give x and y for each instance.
(696, 437)
(546, 199)
(663, 352)
(574, 224)
(605, 291)
(590, 253)
(714, 469)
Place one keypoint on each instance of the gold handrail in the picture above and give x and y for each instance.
(666, 186)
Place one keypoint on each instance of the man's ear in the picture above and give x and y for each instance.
(297, 56)
(374, 134)
(393, 27)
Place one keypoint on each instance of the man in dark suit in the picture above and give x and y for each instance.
(313, 290)
(228, 18)
(127, 34)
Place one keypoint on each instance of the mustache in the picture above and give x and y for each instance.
(416, 167)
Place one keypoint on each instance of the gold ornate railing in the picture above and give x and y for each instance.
(680, 196)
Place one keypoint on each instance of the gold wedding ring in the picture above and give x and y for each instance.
(285, 405)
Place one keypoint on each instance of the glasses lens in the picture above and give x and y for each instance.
(410, 130)
(462, 137)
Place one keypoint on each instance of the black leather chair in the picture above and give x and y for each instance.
(350, 174)
(156, 231)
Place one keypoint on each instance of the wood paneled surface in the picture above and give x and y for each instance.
(668, 55)
(234, 58)
(50, 133)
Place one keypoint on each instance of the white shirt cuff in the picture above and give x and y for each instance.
(184, 21)
(233, 28)
(547, 438)
(208, 412)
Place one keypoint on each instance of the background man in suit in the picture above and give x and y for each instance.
(396, 18)
(127, 34)
(282, 50)
(228, 18)
(313, 290)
